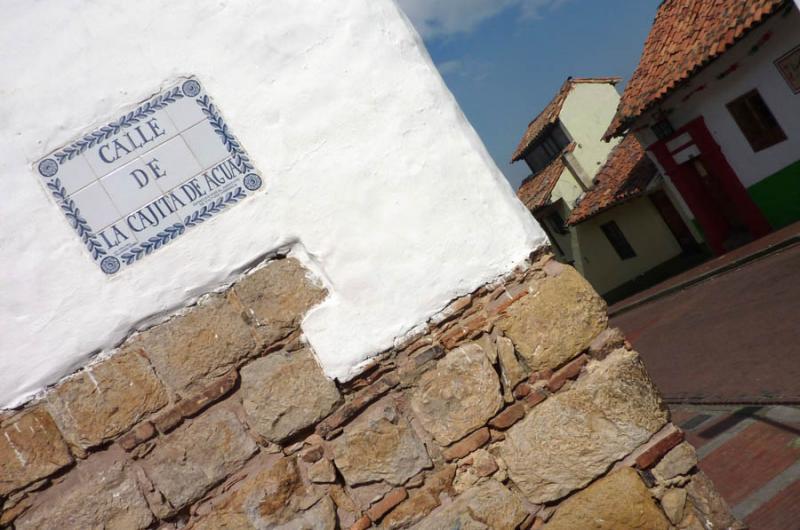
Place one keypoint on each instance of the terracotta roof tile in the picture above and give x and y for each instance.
(623, 177)
(549, 115)
(686, 36)
(534, 192)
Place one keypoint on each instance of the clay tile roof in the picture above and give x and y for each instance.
(623, 177)
(549, 115)
(534, 192)
(686, 36)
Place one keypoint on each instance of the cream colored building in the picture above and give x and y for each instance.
(603, 204)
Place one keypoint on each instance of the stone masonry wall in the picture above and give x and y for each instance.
(516, 407)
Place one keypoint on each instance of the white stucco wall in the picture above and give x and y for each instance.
(586, 113)
(757, 71)
(369, 166)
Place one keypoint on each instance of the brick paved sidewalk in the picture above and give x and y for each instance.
(753, 456)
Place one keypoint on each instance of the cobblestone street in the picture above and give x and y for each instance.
(734, 384)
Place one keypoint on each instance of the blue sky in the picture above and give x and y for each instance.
(505, 59)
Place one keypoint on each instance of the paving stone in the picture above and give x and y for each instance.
(284, 393)
(379, 445)
(206, 342)
(489, 505)
(460, 395)
(620, 500)
(31, 448)
(277, 296)
(99, 493)
(189, 461)
(106, 399)
(557, 322)
(574, 436)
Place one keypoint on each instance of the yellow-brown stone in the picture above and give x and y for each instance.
(106, 399)
(31, 448)
(556, 322)
(620, 500)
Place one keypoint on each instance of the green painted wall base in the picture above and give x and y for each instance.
(778, 196)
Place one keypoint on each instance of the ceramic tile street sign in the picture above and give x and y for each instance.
(132, 186)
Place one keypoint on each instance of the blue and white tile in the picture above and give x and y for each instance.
(185, 113)
(157, 128)
(75, 174)
(150, 221)
(177, 161)
(206, 144)
(94, 205)
(132, 186)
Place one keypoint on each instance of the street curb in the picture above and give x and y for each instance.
(708, 274)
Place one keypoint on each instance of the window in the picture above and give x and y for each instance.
(618, 240)
(756, 121)
(547, 149)
(557, 223)
(663, 129)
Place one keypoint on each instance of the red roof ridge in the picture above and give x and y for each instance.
(686, 36)
(625, 175)
(535, 190)
(549, 115)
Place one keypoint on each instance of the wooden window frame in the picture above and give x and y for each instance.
(756, 121)
(618, 240)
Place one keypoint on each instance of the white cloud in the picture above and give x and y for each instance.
(450, 67)
(439, 18)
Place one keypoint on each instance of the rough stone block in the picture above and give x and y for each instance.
(511, 369)
(204, 343)
(99, 493)
(575, 435)
(421, 501)
(679, 461)
(322, 472)
(193, 458)
(106, 399)
(379, 445)
(673, 503)
(487, 505)
(277, 296)
(460, 395)
(358, 403)
(556, 323)
(284, 393)
(710, 506)
(31, 448)
(271, 494)
(620, 500)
